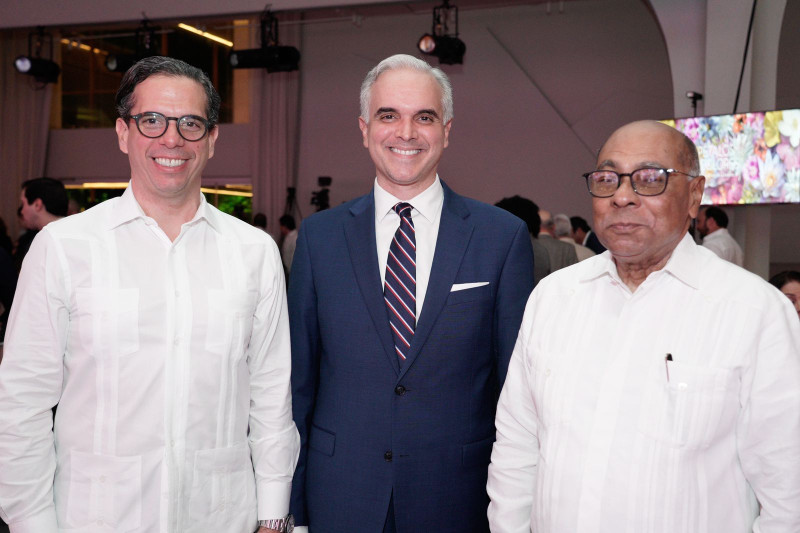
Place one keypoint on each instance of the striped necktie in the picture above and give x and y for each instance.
(400, 288)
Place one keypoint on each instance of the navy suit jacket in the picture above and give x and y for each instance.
(422, 433)
(594, 244)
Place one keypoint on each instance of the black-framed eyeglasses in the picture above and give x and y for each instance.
(646, 181)
(153, 125)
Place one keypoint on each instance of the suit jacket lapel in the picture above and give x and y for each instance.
(455, 230)
(360, 234)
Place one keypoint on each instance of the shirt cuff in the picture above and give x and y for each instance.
(300, 529)
(44, 522)
(273, 500)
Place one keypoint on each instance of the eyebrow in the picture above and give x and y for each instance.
(431, 112)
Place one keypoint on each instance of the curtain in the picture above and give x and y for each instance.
(274, 120)
(24, 126)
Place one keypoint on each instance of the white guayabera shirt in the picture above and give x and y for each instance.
(160, 356)
(600, 432)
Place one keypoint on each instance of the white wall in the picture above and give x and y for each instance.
(535, 98)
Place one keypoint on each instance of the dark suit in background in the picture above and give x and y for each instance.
(562, 254)
(593, 243)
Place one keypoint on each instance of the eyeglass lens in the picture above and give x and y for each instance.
(155, 125)
(645, 181)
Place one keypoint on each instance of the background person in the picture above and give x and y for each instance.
(583, 234)
(788, 282)
(528, 212)
(563, 230)
(712, 224)
(562, 254)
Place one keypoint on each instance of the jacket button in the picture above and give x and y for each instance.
(388, 456)
(399, 390)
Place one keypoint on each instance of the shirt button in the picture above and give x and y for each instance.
(399, 390)
(99, 522)
(388, 456)
(102, 479)
(176, 342)
(547, 372)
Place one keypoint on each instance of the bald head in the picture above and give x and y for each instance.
(680, 145)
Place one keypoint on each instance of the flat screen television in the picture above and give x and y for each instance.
(747, 158)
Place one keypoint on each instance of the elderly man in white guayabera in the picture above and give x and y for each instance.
(677, 408)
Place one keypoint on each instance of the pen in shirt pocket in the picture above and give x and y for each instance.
(667, 359)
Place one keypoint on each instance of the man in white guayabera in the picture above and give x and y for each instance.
(158, 325)
(677, 407)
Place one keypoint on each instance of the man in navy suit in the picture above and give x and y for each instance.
(396, 412)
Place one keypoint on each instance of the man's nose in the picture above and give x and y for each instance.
(625, 195)
(406, 129)
(171, 137)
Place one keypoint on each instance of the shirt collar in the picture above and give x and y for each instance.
(683, 264)
(128, 209)
(428, 203)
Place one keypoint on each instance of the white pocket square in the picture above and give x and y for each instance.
(463, 286)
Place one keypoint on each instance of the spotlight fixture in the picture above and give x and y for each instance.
(146, 46)
(271, 55)
(441, 42)
(42, 69)
(119, 63)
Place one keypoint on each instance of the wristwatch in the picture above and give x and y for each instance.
(284, 525)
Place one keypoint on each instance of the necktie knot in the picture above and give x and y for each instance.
(403, 209)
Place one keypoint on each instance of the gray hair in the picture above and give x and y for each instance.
(563, 226)
(165, 66)
(403, 61)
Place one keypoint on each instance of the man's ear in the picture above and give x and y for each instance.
(212, 139)
(122, 135)
(364, 127)
(696, 187)
(38, 205)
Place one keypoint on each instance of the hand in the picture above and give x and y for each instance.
(267, 530)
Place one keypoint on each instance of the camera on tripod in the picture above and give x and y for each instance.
(321, 198)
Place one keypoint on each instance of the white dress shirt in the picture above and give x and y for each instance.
(426, 214)
(723, 244)
(160, 356)
(599, 432)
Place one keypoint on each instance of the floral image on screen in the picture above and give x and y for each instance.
(750, 158)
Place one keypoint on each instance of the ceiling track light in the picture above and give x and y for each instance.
(271, 55)
(146, 46)
(441, 42)
(44, 70)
